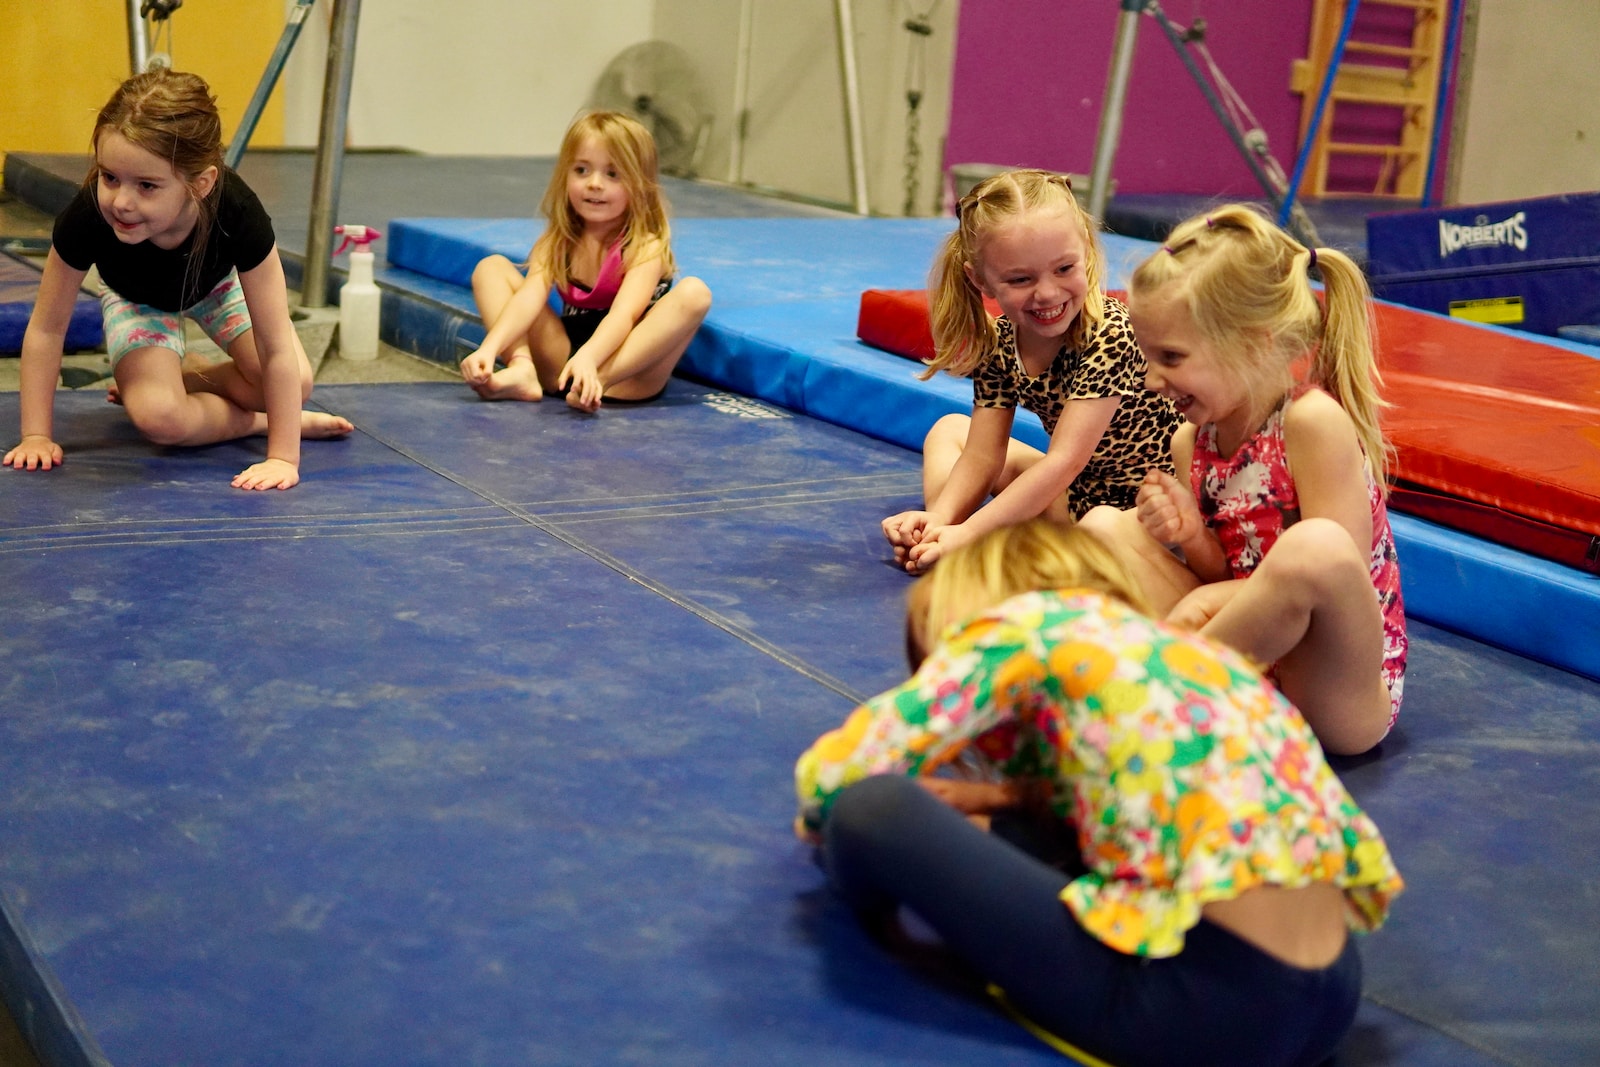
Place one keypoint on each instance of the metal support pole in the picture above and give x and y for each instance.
(1441, 99)
(269, 81)
(852, 105)
(741, 92)
(138, 39)
(1461, 103)
(1105, 145)
(329, 166)
(1296, 222)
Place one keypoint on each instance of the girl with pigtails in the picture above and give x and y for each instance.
(1060, 348)
(1277, 542)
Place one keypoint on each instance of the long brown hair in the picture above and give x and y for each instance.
(1246, 285)
(963, 333)
(173, 116)
(645, 230)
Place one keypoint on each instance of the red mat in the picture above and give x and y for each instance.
(1496, 435)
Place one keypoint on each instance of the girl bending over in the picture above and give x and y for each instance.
(1220, 862)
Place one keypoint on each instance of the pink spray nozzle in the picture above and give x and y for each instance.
(360, 236)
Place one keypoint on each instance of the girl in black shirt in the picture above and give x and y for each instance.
(174, 234)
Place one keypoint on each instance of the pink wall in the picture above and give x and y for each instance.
(1030, 74)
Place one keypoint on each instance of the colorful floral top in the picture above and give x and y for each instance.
(1188, 777)
(1249, 499)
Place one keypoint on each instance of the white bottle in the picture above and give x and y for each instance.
(359, 298)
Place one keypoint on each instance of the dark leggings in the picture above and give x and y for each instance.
(889, 842)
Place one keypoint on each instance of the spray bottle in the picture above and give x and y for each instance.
(358, 297)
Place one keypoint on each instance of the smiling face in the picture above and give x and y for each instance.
(595, 188)
(141, 197)
(1033, 266)
(1183, 365)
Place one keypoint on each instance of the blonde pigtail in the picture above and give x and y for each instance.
(963, 333)
(1346, 362)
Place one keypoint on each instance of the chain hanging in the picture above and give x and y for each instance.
(921, 28)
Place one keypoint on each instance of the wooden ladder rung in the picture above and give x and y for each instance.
(1357, 148)
(1339, 96)
(1435, 6)
(1397, 51)
(1365, 194)
(1395, 69)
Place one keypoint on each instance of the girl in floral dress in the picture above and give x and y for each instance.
(1222, 862)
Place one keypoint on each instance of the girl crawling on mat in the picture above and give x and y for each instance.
(1060, 348)
(606, 249)
(1277, 542)
(174, 234)
(1219, 863)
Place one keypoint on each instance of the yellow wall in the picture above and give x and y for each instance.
(64, 59)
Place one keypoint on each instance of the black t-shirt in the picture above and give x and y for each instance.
(145, 274)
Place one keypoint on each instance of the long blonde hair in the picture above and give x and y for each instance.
(963, 333)
(1032, 555)
(645, 230)
(1246, 286)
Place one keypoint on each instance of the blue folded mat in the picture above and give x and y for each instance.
(19, 288)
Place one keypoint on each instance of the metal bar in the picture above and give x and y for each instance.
(269, 81)
(1274, 194)
(1316, 114)
(329, 166)
(138, 39)
(1105, 145)
(1466, 61)
(741, 91)
(1452, 37)
(854, 142)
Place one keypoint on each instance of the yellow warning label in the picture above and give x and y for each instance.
(1499, 310)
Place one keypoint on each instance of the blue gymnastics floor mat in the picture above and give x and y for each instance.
(19, 290)
(782, 328)
(476, 748)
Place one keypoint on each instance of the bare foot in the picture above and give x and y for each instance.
(320, 426)
(578, 405)
(516, 381)
(113, 394)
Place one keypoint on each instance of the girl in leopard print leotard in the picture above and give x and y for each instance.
(1059, 347)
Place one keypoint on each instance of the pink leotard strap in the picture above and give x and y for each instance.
(606, 284)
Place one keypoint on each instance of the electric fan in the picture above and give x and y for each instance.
(656, 82)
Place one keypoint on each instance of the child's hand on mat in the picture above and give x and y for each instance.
(477, 368)
(35, 452)
(268, 474)
(582, 383)
(1167, 509)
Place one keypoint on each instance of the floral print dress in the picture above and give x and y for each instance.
(1188, 778)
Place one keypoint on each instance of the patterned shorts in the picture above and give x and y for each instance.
(221, 313)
